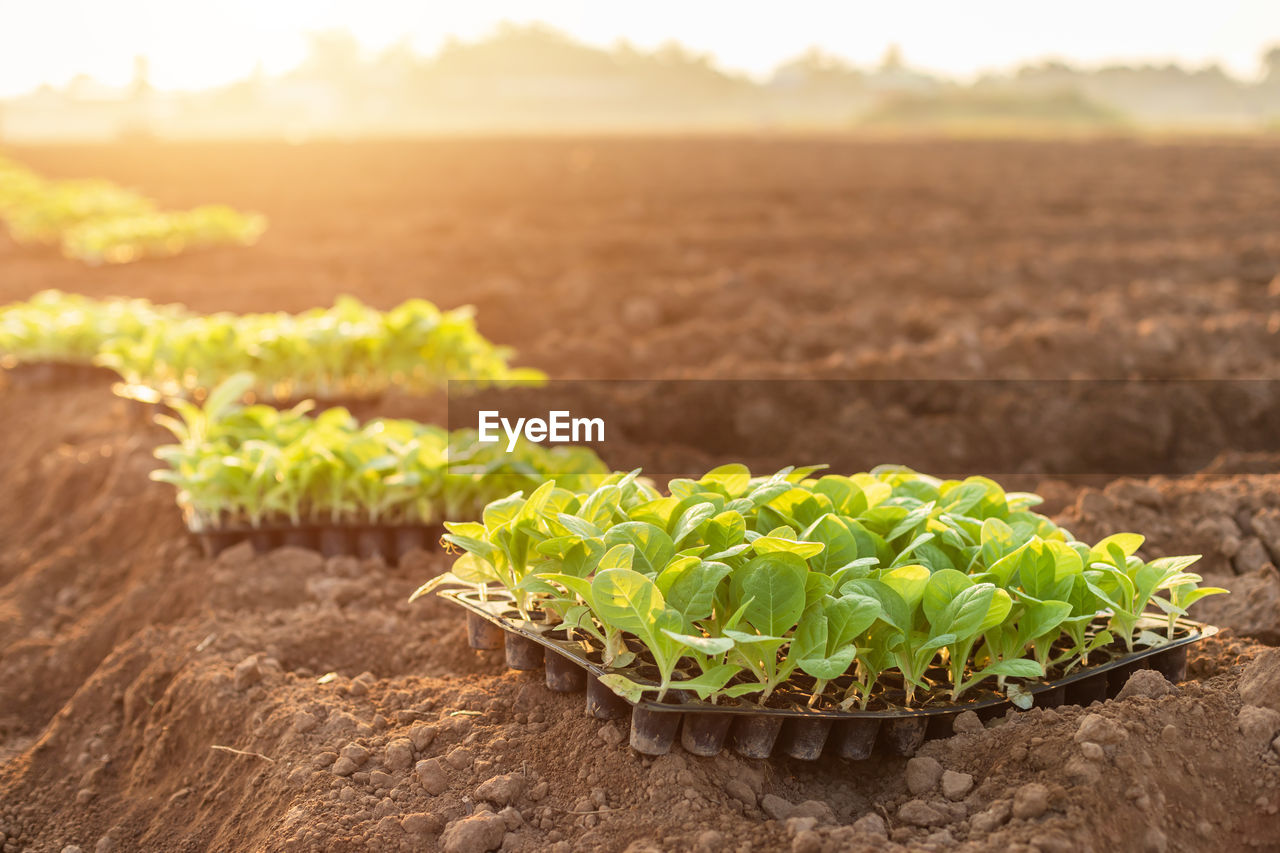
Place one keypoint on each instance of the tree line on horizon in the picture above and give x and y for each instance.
(531, 77)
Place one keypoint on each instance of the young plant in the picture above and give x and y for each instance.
(770, 595)
(1182, 587)
(827, 637)
(1125, 583)
(629, 602)
(959, 609)
(900, 592)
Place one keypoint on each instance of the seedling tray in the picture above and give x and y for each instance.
(143, 404)
(801, 733)
(56, 374)
(391, 542)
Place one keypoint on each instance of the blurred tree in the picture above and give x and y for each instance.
(893, 60)
(141, 85)
(332, 55)
(1271, 62)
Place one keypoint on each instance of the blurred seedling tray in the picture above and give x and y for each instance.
(390, 542)
(56, 374)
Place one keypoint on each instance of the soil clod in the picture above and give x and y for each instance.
(923, 774)
(1031, 801)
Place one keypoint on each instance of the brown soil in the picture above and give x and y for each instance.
(151, 699)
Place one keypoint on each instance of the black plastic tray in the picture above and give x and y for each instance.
(801, 733)
(391, 542)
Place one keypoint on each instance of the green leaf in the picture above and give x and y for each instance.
(557, 546)
(998, 611)
(501, 512)
(1190, 598)
(1007, 569)
(733, 691)
(963, 497)
(744, 638)
(479, 547)
(579, 527)
(1020, 697)
(849, 616)
(599, 507)
(689, 586)
(1014, 668)
(894, 609)
(913, 519)
(1128, 543)
(725, 531)
(579, 586)
(709, 646)
(909, 582)
(905, 555)
(468, 529)
(473, 570)
(690, 521)
(840, 548)
(730, 552)
(734, 478)
(1175, 564)
(617, 557)
(775, 583)
(1041, 617)
(778, 544)
(810, 638)
(653, 547)
(816, 587)
(831, 666)
(997, 540)
(1100, 640)
(711, 681)
(936, 642)
(803, 472)
(629, 601)
(1066, 562)
(940, 590)
(656, 512)
(624, 687)
(227, 394)
(965, 615)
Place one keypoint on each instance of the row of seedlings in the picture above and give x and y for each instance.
(332, 483)
(98, 222)
(344, 353)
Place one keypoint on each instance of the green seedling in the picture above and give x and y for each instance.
(956, 607)
(826, 640)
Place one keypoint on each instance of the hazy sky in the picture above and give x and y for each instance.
(198, 44)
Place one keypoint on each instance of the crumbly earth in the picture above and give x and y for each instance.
(153, 699)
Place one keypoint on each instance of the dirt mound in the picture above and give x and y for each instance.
(1234, 522)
